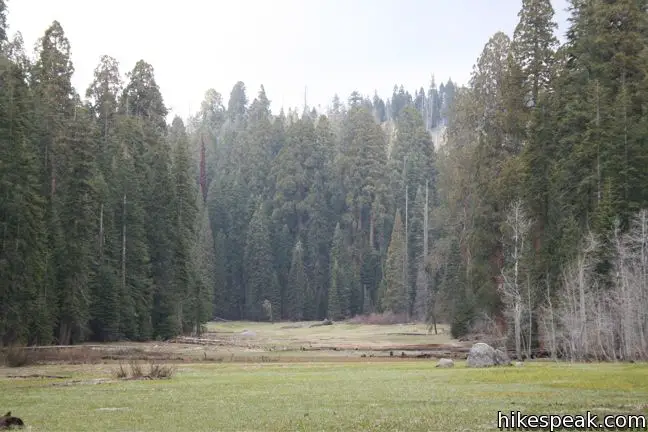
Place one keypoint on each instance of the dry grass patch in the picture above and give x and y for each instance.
(136, 370)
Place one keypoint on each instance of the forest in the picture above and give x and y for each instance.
(528, 219)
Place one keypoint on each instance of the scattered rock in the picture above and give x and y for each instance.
(484, 355)
(445, 363)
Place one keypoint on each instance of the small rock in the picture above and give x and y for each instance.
(519, 364)
(445, 363)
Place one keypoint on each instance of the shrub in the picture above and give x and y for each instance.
(15, 356)
(135, 370)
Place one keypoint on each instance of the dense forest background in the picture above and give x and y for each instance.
(527, 218)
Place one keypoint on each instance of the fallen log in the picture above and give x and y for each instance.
(196, 341)
(38, 376)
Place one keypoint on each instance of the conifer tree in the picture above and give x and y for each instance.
(297, 288)
(259, 267)
(395, 295)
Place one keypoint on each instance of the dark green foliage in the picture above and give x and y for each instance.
(259, 270)
(3, 22)
(220, 298)
(78, 222)
(395, 297)
(116, 225)
(23, 306)
(295, 297)
(193, 289)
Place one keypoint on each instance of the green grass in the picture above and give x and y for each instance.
(386, 396)
(295, 335)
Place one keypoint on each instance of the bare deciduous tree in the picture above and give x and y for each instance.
(600, 323)
(515, 287)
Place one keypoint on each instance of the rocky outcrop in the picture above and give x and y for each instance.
(484, 355)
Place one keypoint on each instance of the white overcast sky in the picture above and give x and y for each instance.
(328, 46)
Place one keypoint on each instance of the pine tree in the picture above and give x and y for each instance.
(534, 45)
(395, 297)
(258, 267)
(221, 305)
(206, 273)
(295, 299)
(23, 301)
(185, 230)
(54, 106)
(78, 220)
(3, 23)
(283, 245)
(105, 298)
(335, 301)
(136, 284)
(340, 275)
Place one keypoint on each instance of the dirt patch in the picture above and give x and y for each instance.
(113, 409)
(36, 376)
(82, 382)
(291, 326)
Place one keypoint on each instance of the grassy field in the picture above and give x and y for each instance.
(360, 395)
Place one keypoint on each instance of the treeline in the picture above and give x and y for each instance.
(526, 221)
(103, 234)
(543, 181)
(308, 211)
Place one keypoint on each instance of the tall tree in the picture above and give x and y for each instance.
(78, 221)
(295, 297)
(259, 270)
(185, 217)
(395, 291)
(3, 23)
(24, 316)
(534, 45)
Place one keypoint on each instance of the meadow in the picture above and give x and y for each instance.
(277, 377)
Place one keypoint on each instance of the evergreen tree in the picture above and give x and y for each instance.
(78, 222)
(222, 305)
(340, 285)
(295, 299)
(534, 45)
(395, 294)
(105, 309)
(259, 272)
(23, 300)
(3, 23)
(206, 276)
(185, 219)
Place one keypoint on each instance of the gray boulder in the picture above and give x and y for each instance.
(445, 363)
(484, 355)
